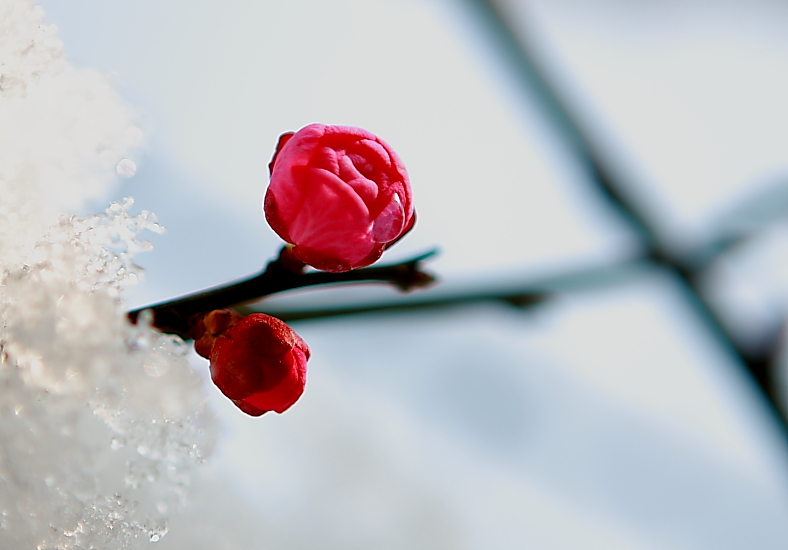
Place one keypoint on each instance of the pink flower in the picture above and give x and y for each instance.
(257, 361)
(339, 194)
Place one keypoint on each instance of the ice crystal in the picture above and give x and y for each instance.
(63, 129)
(101, 422)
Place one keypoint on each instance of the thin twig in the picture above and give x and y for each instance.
(177, 316)
(523, 295)
(522, 300)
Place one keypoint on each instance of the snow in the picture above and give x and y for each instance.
(102, 423)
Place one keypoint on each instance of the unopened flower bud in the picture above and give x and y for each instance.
(257, 361)
(339, 194)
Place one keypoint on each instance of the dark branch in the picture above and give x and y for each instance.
(523, 296)
(522, 300)
(176, 316)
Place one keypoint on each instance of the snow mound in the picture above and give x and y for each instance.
(102, 423)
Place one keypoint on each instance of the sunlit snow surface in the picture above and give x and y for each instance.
(101, 423)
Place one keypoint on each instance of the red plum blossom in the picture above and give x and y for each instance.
(340, 195)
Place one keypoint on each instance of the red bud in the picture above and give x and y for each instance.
(339, 194)
(257, 361)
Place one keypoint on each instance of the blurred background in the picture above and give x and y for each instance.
(623, 161)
